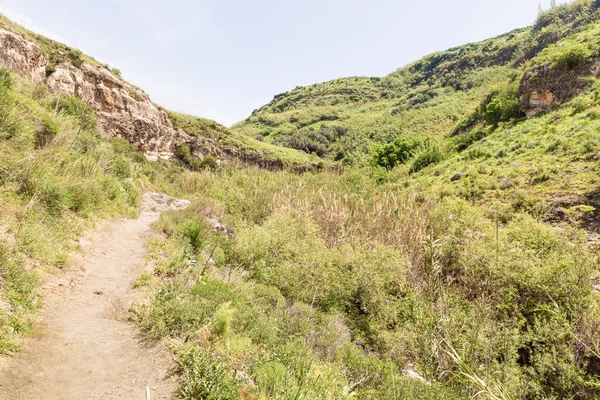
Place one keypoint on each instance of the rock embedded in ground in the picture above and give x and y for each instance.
(457, 176)
(22, 56)
(216, 225)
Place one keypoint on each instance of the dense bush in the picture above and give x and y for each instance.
(233, 318)
(428, 154)
(435, 283)
(391, 154)
(502, 109)
(310, 140)
(573, 56)
(76, 57)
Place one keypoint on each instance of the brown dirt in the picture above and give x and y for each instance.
(85, 348)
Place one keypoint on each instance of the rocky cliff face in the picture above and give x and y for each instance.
(122, 109)
(546, 86)
(22, 56)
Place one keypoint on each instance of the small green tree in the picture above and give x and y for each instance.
(384, 156)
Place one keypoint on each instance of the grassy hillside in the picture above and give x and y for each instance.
(544, 165)
(343, 118)
(246, 149)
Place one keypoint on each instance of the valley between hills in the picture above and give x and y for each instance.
(430, 234)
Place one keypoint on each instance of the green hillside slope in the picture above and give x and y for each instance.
(341, 119)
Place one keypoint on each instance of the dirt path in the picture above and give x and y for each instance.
(85, 348)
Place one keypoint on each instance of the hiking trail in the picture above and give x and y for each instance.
(84, 346)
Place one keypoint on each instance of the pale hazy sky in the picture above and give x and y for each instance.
(221, 59)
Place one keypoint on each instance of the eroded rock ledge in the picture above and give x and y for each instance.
(22, 56)
(547, 86)
(122, 109)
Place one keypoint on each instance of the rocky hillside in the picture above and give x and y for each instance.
(126, 111)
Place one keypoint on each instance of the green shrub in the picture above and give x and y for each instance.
(50, 68)
(429, 154)
(52, 192)
(194, 233)
(209, 162)
(45, 131)
(74, 107)
(309, 140)
(86, 197)
(76, 57)
(391, 154)
(132, 193)
(121, 167)
(184, 154)
(204, 377)
(573, 56)
(121, 146)
(502, 108)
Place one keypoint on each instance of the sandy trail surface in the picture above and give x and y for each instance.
(85, 348)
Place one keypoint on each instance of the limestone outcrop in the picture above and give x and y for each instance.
(22, 56)
(122, 109)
